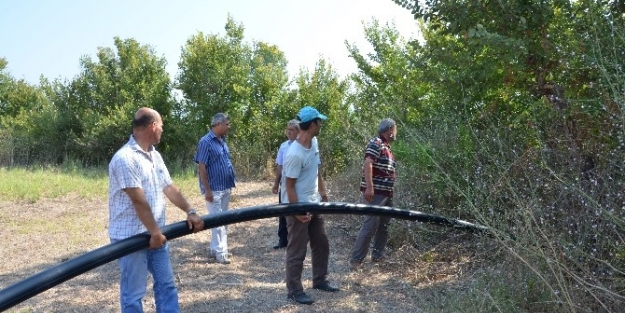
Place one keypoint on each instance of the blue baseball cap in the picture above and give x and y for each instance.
(308, 113)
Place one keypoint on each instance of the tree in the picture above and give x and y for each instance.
(323, 89)
(246, 81)
(105, 95)
(6, 81)
(213, 77)
(263, 113)
(534, 92)
(15, 95)
(391, 79)
(26, 122)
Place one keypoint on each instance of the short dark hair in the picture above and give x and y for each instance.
(306, 125)
(143, 121)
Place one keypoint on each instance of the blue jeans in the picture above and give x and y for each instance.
(134, 278)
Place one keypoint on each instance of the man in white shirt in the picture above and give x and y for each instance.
(303, 183)
(138, 178)
(292, 130)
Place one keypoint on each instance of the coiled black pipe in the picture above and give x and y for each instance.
(38, 283)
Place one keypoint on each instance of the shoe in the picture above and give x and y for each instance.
(325, 286)
(377, 260)
(301, 297)
(212, 254)
(222, 260)
(280, 245)
(354, 265)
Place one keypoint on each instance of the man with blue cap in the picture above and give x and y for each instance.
(303, 183)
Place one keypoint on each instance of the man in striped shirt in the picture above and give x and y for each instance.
(216, 179)
(376, 185)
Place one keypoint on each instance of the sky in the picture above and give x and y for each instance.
(48, 37)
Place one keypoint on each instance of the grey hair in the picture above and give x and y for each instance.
(385, 125)
(219, 118)
(293, 122)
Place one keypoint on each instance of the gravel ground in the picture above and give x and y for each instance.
(36, 236)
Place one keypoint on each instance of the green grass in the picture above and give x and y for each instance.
(33, 184)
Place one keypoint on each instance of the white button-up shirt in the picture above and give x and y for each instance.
(131, 167)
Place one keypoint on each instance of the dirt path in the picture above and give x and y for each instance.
(253, 282)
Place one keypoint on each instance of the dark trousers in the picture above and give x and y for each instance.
(373, 227)
(282, 230)
(299, 235)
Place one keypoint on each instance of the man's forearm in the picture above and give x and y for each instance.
(278, 174)
(368, 173)
(292, 196)
(322, 185)
(204, 176)
(144, 213)
(290, 190)
(143, 210)
(147, 218)
(175, 196)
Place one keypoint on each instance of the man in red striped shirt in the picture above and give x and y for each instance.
(376, 185)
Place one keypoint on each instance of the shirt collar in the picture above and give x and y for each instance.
(134, 145)
(212, 135)
(384, 140)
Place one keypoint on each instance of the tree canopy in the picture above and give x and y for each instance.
(510, 113)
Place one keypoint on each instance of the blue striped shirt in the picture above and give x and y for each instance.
(214, 153)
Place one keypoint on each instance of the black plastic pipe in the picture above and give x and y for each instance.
(38, 283)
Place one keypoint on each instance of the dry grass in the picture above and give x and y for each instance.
(36, 236)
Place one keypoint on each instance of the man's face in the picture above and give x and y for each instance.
(393, 134)
(317, 127)
(291, 132)
(158, 130)
(224, 127)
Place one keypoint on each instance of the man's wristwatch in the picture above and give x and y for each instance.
(192, 211)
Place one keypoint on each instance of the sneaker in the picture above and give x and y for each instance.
(222, 259)
(301, 297)
(325, 286)
(213, 254)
